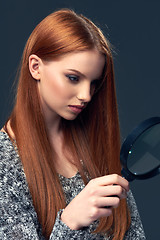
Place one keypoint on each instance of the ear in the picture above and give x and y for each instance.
(34, 66)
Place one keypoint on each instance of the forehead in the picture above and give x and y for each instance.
(89, 63)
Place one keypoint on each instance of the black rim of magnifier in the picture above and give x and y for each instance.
(127, 145)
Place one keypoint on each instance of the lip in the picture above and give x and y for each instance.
(76, 108)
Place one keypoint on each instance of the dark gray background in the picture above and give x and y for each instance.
(133, 28)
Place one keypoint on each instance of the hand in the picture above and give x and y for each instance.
(96, 200)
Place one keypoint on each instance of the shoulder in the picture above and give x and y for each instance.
(13, 183)
(8, 154)
(19, 216)
(11, 169)
(6, 145)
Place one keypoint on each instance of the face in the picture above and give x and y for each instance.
(66, 85)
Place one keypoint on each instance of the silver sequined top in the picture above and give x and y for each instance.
(18, 219)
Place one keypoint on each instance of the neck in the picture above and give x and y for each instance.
(53, 126)
(52, 121)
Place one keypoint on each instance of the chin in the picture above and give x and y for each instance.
(70, 118)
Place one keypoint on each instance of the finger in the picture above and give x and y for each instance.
(110, 202)
(112, 190)
(110, 180)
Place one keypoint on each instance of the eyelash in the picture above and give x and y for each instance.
(73, 78)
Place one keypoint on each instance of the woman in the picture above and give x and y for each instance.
(59, 150)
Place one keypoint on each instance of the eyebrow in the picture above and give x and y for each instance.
(76, 71)
(73, 70)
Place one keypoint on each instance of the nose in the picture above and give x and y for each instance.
(84, 93)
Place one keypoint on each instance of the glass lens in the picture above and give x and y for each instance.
(145, 152)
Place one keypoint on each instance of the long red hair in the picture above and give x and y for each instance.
(93, 136)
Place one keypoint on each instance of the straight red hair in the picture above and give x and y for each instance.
(93, 136)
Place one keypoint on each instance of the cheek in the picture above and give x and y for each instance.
(54, 87)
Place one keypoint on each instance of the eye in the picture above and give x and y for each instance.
(72, 78)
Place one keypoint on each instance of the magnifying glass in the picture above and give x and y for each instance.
(140, 152)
